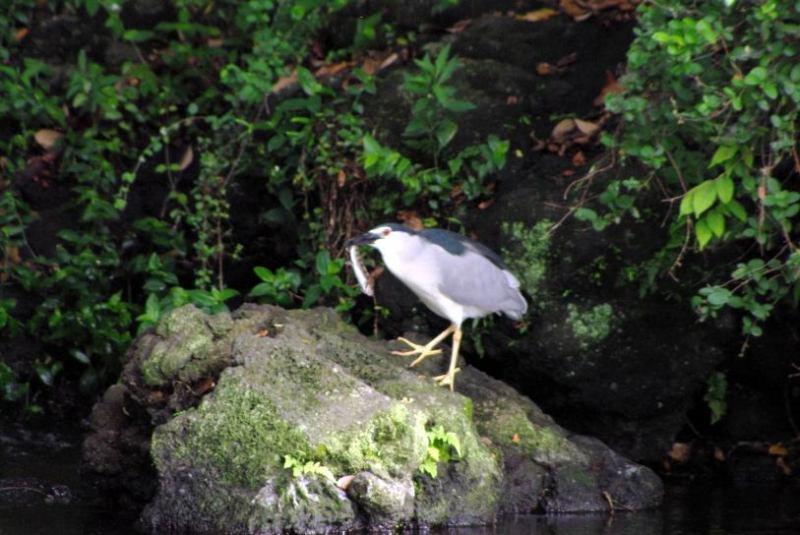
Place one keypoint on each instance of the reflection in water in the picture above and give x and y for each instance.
(641, 523)
(698, 508)
(42, 459)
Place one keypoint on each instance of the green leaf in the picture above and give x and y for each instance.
(686, 204)
(371, 145)
(262, 288)
(265, 274)
(724, 185)
(702, 232)
(738, 211)
(757, 76)
(137, 36)
(716, 396)
(719, 296)
(716, 222)
(80, 356)
(322, 260)
(723, 154)
(662, 37)
(445, 132)
(704, 196)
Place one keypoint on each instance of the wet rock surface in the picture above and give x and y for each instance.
(306, 400)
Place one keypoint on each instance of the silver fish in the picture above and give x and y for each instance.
(361, 273)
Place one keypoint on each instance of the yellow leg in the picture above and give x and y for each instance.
(449, 378)
(423, 351)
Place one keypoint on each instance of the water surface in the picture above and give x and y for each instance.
(51, 457)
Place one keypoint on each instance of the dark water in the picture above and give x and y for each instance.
(37, 460)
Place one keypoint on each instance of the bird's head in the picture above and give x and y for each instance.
(386, 237)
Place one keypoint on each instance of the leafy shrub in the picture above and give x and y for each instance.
(198, 108)
(711, 104)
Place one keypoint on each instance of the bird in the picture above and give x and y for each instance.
(454, 276)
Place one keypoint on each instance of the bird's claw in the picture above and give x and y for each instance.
(416, 349)
(447, 379)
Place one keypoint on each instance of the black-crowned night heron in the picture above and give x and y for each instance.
(457, 278)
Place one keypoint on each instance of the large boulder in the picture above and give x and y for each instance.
(311, 426)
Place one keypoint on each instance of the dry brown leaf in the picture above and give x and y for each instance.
(574, 9)
(569, 59)
(719, 455)
(377, 62)
(341, 178)
(330, 70)
(587, 127)
(777, 449)
(371, 65)
(537, 15)
(390, 59)
(784, 466)
(680, 452)
(578, 159)
(203, 386)
(566, 172)
(483, 205)
(544, 69)
(344, 481)
(515, 438)
(20, 34)
(612, 86)
(562, 129)
(215, 42)
(263, 333)
(285, 82)
(459, 26)
(410, 218)
(186, 159)
(47, 137)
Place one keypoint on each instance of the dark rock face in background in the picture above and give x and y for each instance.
(608, 361)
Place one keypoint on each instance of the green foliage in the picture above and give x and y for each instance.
(431, 129)
(191, 108)
(113, 122)
(716, 396)
(590, 325)
(712, 107)
(528, 254)
(276, 287)
(301, 468)
(443, 447)
(432, 126)
(10, 388)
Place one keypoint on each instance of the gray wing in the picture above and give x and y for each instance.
(474, 280)
(458, 244)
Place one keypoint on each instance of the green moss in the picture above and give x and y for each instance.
(469, 409)
(528, 255)
(187, 349)
(240, 434)
(390, 445)
(508, 426)
(590, 326)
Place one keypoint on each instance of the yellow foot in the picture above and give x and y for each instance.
(447, 379)
(417, 349)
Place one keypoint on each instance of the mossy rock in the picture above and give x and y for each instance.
(306, 401)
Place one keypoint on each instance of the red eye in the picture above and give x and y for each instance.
(386, 232)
